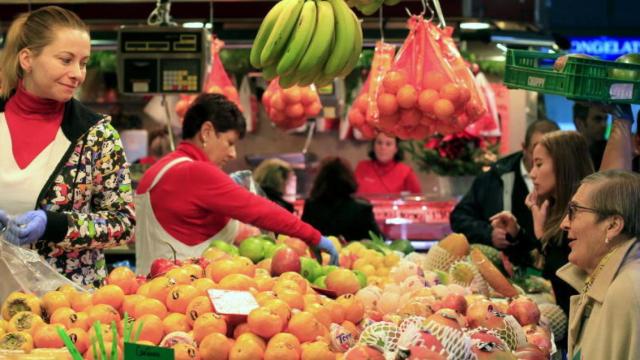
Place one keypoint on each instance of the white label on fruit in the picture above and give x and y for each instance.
(535, 81)
(232, 301)
(621, 91)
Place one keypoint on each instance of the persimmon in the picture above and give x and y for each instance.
(237, 282)
(25, 321)
(426, 99)
(305, 327)
(434, 80)
(443, 109)
(387, 104)
(124, 278)
(129, 304)
(317, 350)
(80, 338)
(185, 352)
(103, 313)
(264, 322)
(152, 328)
(46, 336)
(342, 281)
(109, 294)
(53, 300)
(198, 306)
(407, 96)
(175, 322)
(150, 306)
(393, 81)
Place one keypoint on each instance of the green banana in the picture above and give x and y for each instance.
(269, 72)
(281, 31)
(370, 8)
(391, 2)
(357, 48)
(345, 33)
(300, 38)
(322, 40)
(288, 80)
(263, 34)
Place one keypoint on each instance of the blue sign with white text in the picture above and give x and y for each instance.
(605, 47)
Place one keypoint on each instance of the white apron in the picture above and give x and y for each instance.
(151, 236)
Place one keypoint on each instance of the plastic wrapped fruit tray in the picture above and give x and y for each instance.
(583, 79)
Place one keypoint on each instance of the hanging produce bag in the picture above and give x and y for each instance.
(290, 108)
(429, 87)
(364, 111)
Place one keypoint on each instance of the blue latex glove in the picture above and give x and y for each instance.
(327, 246)
(4, 220)
(26, 228)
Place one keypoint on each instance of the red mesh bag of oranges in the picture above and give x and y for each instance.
(429, 88)
(364, 112)
(218, 82)
(290, 108)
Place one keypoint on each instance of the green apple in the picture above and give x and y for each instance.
(362, 278)
(319, 282)
(326, 269)
(629, 75)
(271, 250)
(253, 249)
(309, 268)
(225, 246)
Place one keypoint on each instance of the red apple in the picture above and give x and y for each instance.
(488, 346)
(430, 342)
(455, 302)
(538, 336)
(285, 259)
(478, 311)
(160, 267)
(530, 352)
(524, 310)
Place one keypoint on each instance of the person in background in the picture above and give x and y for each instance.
(591, 122)
(186, 200)
(66, 189)
(272, 175)
(602, 224)
(560, 161)
(384, 173)
(158, 145)
(332, 207)
(503, 188)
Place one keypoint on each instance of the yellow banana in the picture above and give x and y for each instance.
(300, 38)
(281, 32)
(322, 40)
(357, 48)
(344, 37)
(263, 34)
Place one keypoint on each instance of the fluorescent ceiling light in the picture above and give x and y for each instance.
(193, 25)
(473, 25)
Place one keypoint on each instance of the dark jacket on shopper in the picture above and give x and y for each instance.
(500, 188)
(352, 218)
(88, 198)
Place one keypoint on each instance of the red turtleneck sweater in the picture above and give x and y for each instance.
(195, 200)
(33, 123)
(393, 177)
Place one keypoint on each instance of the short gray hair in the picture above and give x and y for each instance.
(617, 193)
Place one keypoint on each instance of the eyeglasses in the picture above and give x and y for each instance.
(573, 208)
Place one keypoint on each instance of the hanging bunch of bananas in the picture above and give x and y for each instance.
(307, 41)
(370, 7)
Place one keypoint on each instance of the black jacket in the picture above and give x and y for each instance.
(352, 218)
(486, 198)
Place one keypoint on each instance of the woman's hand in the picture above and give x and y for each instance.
(506, 221)
(327, 246)
(539, 212)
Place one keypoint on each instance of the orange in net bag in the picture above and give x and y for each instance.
(429, 88)
(290, 108)
(364, 111)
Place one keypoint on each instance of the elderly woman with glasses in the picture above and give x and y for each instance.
(602, 224)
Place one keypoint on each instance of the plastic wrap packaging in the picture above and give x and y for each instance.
(429, 87)
(24, 270)
(364, 110)
(290, 108)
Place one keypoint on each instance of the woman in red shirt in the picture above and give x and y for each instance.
(185, 199)
(384, 173)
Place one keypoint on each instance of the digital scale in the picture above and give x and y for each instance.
(162, 60)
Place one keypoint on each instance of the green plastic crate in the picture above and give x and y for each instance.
(581, 79)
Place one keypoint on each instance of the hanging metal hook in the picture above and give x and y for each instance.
(381, 23)
(425, 7)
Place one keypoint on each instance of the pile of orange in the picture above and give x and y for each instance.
(291, 322)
